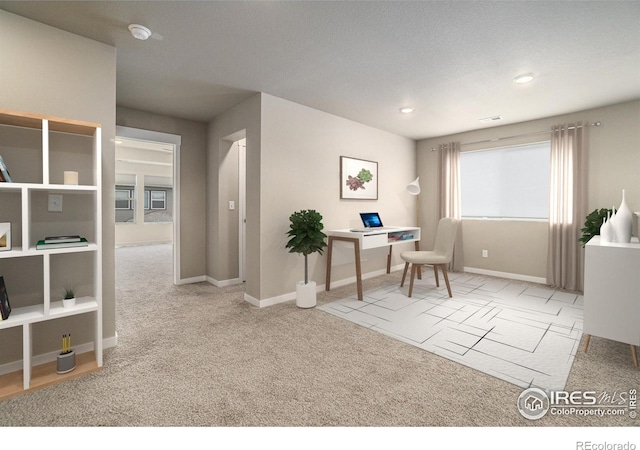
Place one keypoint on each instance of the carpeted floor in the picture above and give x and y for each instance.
(197, 355)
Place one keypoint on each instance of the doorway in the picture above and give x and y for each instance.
(242, 208)
(147, 190)
(232, 223)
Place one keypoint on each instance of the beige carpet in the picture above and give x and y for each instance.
(197, 355)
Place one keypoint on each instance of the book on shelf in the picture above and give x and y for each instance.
(41, 245)
(4, 172)
(5, 307)
(61, 239)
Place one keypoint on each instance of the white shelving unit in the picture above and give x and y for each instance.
(63, 144)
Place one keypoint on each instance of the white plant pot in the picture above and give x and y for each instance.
(306, 294)
(68, 302)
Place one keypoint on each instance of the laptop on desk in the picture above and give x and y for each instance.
(371, 222)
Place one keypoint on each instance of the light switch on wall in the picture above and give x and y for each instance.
(232, 205)
(55, 203)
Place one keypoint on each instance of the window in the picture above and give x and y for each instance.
(146, 199)
(509, 182)
(158, 200)
(123, 199)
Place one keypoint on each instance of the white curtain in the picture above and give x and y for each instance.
(450, 195)
(567, 206)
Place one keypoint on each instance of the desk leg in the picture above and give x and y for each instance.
(356, 250)
(327, 285)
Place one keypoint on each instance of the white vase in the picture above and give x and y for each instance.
(306, 294)
(606, 231)
(623, 224)
(612, 222)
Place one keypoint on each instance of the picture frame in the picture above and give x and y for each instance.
(358, 179)
(5, 236)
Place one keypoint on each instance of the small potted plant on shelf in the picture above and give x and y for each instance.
(306, 237)
(69, 298)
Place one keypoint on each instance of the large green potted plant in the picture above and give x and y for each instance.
(306, 237)
(592, 224)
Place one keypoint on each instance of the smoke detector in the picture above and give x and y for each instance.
(139, 31)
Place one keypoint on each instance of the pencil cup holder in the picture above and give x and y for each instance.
(66, 362)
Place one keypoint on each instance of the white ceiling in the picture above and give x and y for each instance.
(454, 61)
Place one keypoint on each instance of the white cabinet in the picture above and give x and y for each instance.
(37, 150)
(612, 292)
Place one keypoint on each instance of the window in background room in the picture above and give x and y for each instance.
(508, 182)
(158, 200)
(123, 199)
(125, 203)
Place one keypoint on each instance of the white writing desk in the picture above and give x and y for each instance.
(370, 239)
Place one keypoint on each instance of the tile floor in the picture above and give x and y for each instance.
(525, 334)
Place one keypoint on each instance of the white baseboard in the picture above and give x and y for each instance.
(222, 283)
(191, 280)
(290, 296)
(510, 276)
(365, 276)
(270, 301)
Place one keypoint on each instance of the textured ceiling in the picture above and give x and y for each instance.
(452, 60)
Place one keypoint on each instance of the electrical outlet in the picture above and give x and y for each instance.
(55, 203)
(485, 253)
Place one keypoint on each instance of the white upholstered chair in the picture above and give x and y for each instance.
(439, 257)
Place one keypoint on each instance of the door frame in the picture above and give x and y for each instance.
(175, 140)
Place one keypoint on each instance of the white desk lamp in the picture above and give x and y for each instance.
(413, 188)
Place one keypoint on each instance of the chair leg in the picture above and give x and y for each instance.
(446, 278)
(404, 274)
(413, 275)
(435, 272)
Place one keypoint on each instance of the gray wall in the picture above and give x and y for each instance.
(301, 149)
(240, 121)
(52, 72)
(293, 163)
(520, 247)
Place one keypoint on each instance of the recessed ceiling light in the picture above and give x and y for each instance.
(407, 110)
(524, 78)
(490, 119)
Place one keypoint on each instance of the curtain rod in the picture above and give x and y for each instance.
(593, 124)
